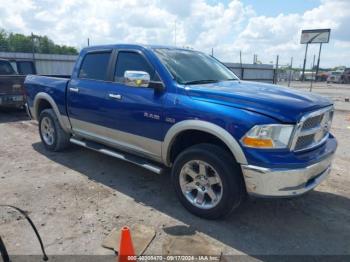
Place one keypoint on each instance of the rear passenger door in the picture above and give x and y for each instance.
(87, 95)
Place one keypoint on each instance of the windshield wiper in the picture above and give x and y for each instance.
(204, 81)
(231, 79)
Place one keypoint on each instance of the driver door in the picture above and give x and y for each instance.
(137, 112)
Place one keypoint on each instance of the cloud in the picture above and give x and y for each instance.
(269, 36)
(228, 28)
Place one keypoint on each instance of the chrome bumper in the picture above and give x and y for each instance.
(265, 182)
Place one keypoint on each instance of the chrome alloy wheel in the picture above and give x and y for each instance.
(200, 184)
(47, 131)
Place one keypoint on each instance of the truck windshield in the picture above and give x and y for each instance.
(193, 67)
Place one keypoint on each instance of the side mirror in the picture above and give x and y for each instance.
(136, 78)
(158, 86)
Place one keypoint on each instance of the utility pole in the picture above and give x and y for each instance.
(290, 70)
(318, 60)
(88, 41)
(276, 72)
(212, 52)
(175, 33)
(33, 48)
(240, 61)
(303, 73)
(312, 73)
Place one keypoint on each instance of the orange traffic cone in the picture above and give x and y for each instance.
(126, 248)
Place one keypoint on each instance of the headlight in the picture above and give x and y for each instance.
(268, 136)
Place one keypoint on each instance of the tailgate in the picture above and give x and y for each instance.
(11, 84)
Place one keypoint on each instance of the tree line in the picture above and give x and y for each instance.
(13, 42)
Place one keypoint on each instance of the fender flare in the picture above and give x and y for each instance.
(63, 120)
(204, 126)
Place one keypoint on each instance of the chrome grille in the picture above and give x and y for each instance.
(304, 141)
(313, 129)
(312, 122)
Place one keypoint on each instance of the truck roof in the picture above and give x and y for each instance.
(138, 46)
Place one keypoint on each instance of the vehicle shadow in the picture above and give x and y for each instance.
(315, 224)
(12, 115)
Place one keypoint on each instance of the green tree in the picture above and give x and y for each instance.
(3, 40)
(42, 44)
(19, 43)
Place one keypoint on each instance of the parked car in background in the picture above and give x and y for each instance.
(322, 76)
(346, 76)
(334, 77)
(308, 76)
(11, 86)
(166, 107)
(23, 67)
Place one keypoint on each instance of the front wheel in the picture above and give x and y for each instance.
(208, 181)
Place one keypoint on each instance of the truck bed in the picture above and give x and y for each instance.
(12, 89)
(54, 86)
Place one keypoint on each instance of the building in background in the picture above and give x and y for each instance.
(253, 72)
(45, 64)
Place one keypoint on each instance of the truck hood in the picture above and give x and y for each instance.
(284, 104)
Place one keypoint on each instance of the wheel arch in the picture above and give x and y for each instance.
(41, 98)
(204, 126)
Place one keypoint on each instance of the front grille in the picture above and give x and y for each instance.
(312, 129)
(312, 122)
(304, 142)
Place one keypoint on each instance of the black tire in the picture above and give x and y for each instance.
(229, 171)
(60, 137)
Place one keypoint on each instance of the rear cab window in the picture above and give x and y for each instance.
(25, 67)
(95, 66)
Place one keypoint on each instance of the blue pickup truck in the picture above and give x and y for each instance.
(165, 107)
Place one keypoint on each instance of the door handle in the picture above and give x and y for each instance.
(115, 96)
(73, 89)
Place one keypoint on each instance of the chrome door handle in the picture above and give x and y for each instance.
(115, 96)
(73, 89)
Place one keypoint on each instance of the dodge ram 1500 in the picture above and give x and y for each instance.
(162, 107)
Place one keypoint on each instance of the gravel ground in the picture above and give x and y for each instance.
(339, 93)
(76, 197)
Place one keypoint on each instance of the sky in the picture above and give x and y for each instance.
(264, 27)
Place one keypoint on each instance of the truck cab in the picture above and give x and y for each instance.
(170, 108)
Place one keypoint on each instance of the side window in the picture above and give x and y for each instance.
(6, 68)
(95, 66)
(134, 62)
(25, 67)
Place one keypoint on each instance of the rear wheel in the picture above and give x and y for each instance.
(51, 133)
(208, 181)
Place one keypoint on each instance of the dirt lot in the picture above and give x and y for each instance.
(78, 196)
(337, 92)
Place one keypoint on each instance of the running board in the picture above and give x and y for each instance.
(120, 155)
